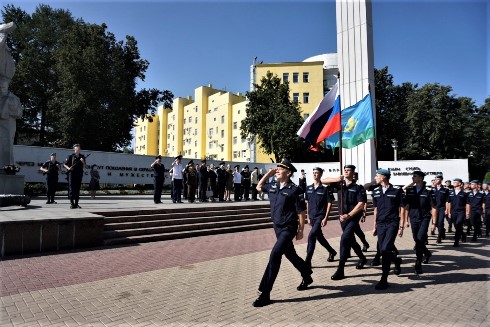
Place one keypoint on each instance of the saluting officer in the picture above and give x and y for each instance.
(51, 169)
(74, 164)
(389, 218)
(420, 208)
(353, 198)
(158, 178)
(457, 209)
(288, 221)
(319, 200)
(440, 194)
(476, 200)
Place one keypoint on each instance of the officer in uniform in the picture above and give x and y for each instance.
(222, 175)
(420, 208)
(288, 222)
(440, 194)
(51, 169)
(476, 200)
(203, 181)
(74, 164)
(177, 179)
(457, 209)
(319, 200)
(353, 198)
(158, 178)
(389, 218)
(246, 182)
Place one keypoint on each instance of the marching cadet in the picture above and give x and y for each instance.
(420, 209)
(457, 208)
(319, 200)
(288, 221)
(390, 221)
(354, 197)
(51, 169)
(74, 164)
(486, 190)
(476, 200)
(440, 195)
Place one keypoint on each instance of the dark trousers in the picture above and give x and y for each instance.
(348, 240)
(487, 221)
(203, 185)
(74, 184)
(177, 190)
(246, 191)
(441, 213)
(237, 196)
(254, 192)
(358, 231)
(191, 193)
(386, 243)
(475, 218)
(221, 190)
(157, 187)
(51, 186)
(316, 234)
(419, 233)
(284, 246)
(458, 218)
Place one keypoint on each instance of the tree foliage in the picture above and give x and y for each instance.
(77, 83)
(274, 119)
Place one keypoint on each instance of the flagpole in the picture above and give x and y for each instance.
(341, 193)
(375, 136)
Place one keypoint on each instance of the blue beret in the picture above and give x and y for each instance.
(458, 180)
(384, 172)
(285, 163)
(475, 181)
(439, 176)
(350, 166)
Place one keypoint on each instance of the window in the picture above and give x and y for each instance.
(235, 125)
(285, 77)
(238, 111)
(222, 133)
(235, 154)
(222, 119)
(195, 120)
(295, 97)
(195, 131)
(195, 143)
(196, 108)
(235, 140)
(184, 120)
(295, 77)
(195, 153)
(244, 140)
(306, 77)
(244, 153)
(306, 97)
(210, 132)
(214, 119)
(210, 144)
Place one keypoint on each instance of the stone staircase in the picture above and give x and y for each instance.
(138, 226)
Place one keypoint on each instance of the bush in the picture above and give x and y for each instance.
(34, 189)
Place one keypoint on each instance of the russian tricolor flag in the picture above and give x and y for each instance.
(325, 119)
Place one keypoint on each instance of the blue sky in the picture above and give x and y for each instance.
(193, 43)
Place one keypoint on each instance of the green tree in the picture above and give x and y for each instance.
(274, 119)
(477, 138)
(81, 80)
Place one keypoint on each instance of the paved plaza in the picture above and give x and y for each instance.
(213, 280)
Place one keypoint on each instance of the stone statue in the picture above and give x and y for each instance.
(10, 106)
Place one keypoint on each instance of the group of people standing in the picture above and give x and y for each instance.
(203, 182)
(416, 206)
(74, 165)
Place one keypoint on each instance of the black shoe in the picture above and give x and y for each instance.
(375, 262)
(262, 301)
(473, 239)
(331, 256)
(54, 202)
(48, 202)
(439, 240)
(427, 257)
(79, 207)
(365, 247)
(304, 283)
(450, 230)
(180, 202)
(338, 275)
(396, 251)
(463, 238)
(398, 268)
(418, 267)
(456, 244)
(72, 206)
(382, 285)
(432, 233)
(361, 263)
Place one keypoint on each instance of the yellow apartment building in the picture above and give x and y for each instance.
(208, 125)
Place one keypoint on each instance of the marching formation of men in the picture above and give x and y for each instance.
(417, 206)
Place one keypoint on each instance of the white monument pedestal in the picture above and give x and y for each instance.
(12, 184)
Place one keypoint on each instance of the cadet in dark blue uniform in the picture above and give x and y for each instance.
(458, 208)
(486, 190)
(353, 198)
(420, 209)
(288, 221)
(158, 179)
(51, 169)
(440, 195)
(74, 164)
(319, 200)
(389, 218)
(476, 200)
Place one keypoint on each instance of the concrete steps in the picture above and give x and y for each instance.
(128, 227)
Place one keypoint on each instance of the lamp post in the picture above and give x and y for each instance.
(394, 145)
